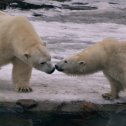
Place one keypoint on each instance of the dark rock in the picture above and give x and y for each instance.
(61, 0)
(26, 5)
(23, 5)
(80, 3)
(112, 3)
(36, 14)
(4, 4)
(79, 7)
(27, 103)
(89, 107)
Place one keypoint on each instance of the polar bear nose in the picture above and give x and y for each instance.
(58, 68)
(50, 72)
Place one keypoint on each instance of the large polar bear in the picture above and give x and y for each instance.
(21, 46)
(108, 56)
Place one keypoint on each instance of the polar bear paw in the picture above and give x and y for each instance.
(109, 96)
(24, 89)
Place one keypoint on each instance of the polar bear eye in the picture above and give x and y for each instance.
(82, 62)
(65, 61)
(42, 63)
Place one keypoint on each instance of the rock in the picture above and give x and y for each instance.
(29, 5)
(4, 4)
(23, 4)
(36, 14)
(27, 103)
(78, 7)
(61, 0)
(89, 107)
(112, 3)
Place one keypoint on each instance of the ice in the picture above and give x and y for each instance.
(103, 6)
(58, 88)
(63, 39)
(18, 12)
(38, 2)
(83, 32)
(107, 5)
(41, 2)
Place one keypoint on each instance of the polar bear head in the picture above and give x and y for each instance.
(28, 46)
(72, 65)
(39, 58)
(89, 60)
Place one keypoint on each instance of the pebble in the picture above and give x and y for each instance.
(27, 103)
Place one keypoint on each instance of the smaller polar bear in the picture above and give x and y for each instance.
(21, 46)
(108, 56)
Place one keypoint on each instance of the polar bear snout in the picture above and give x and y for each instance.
(59, 68)
(45, 66)
(60, 65)
(48, 68)
(51, 71)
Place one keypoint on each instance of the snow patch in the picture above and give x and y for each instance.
(81, 32)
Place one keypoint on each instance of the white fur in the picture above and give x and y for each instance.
(108, 56)
(21, 46)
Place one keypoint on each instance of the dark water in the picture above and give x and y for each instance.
(17, 116)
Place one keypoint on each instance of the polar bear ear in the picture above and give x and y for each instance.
(82, 63)
(27, 55)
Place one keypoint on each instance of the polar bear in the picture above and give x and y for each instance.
(21, 46)
(2, 13)
(108, 56)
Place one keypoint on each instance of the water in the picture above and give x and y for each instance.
(16, 116)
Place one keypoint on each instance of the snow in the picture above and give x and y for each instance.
(58, 88)
(37, 2)
(88, 32)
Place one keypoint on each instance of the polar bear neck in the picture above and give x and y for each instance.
(94, 57)
(26, 34)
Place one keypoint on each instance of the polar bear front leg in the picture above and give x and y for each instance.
(21, 75)
(116, 87)
(113, 94)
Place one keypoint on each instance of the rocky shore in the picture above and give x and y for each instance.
(25, 5)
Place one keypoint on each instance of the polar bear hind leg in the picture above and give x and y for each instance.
(21, 75)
